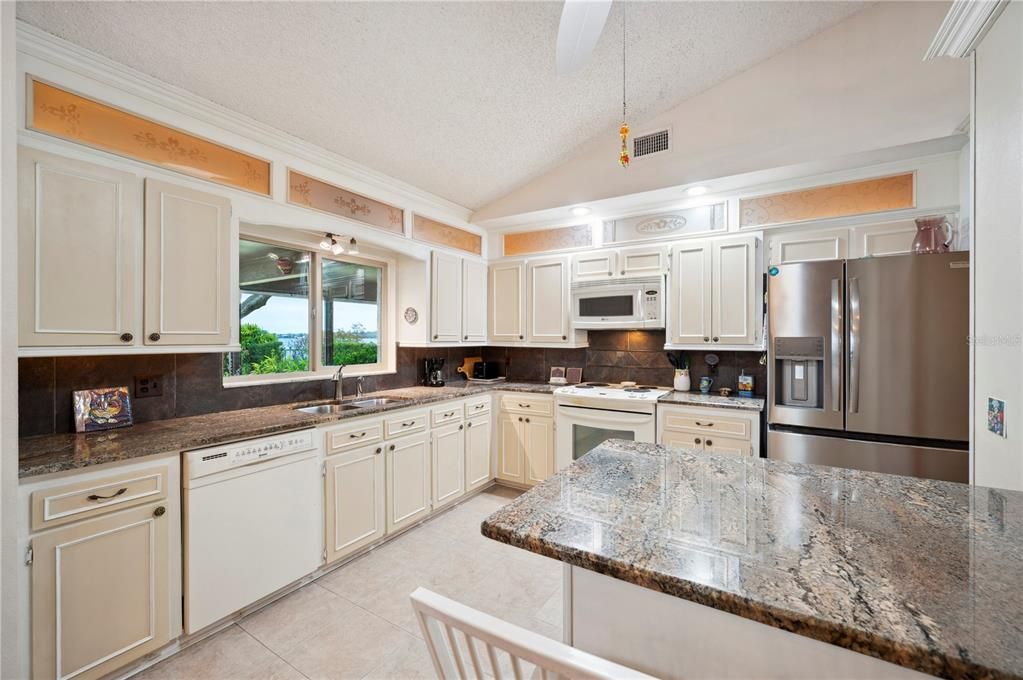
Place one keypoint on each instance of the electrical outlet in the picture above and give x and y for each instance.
(148, 386)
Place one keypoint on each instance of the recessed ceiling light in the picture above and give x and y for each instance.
(580, 211)
(696, 191)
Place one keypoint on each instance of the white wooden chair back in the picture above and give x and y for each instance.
(467, 644)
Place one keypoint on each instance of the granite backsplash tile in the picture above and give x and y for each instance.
(192, 385)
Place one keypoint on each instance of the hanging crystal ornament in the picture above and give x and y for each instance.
(623, 130)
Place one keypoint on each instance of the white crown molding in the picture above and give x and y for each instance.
(965, 25)
(64, 54)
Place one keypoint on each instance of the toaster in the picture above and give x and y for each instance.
(486, 370)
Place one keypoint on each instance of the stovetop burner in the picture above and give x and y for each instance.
(588, 385)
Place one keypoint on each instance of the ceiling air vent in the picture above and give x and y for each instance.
(651, 143)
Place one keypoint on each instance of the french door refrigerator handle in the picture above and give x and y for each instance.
(854, 345)
(836, 345)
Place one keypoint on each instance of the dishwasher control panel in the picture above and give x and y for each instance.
(208, 461)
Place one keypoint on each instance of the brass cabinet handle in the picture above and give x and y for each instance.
(357, 436)
(159, 511)
(94, 497)
(479, 406)
(127, 337)
(449, 414)
(704, 424)
(524, 406)
(155, 337)
(409, 423)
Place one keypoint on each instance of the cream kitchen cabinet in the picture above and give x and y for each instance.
(446, 297)
(709, 430)
(808, 246)
(104, 583)
(354, 495)
(447, 445)
(78, 240)
(478, 438)
(548, 297)
(507, 302)
(525, 441)
(90, 248)
(715, 294)
(408, 481)
(474, 301)
(599, 265)
(594, 265)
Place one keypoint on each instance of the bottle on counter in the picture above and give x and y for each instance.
(745, 384)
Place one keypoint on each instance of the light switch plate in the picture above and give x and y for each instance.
(996, 416)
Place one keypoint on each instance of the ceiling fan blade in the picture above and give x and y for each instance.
(582, 22)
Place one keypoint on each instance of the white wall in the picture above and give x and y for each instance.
(998, 249)
(8, 342)
(857, 86)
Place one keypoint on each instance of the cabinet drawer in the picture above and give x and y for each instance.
(450, 412)
(522, 404)
(72, 502)
(406, 423)
(707, 422)
(352, 435)
(476, 407)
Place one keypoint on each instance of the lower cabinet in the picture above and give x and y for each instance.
(354, 500)
(408, 480)
(478, 433)
(526, 448)
(448, 449)
(100, 593)
(706, 429)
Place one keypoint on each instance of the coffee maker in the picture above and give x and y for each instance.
(434, 372)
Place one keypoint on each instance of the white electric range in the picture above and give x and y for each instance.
(588, 414)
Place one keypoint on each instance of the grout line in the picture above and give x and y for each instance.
(260, 642)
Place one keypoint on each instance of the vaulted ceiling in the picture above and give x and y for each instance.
(458, 98)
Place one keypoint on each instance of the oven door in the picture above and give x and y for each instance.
(607, 306)
(580, 429)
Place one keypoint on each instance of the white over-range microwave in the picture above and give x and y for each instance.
(634, 304)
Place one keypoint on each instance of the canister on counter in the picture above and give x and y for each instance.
(745, 384)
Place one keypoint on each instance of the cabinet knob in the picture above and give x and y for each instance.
(520, 337)
(391, 447)
(435, 337)
(623, 272)
(527, 420)
(706, 339)
(710, 443)
(610, 273)
(155, 337)
(564, 337)
(469, 424)
(466, 337)
(520, 419)
(697, 440)
(715, 339)
(159, 511)
(127, 337)
(380, 449)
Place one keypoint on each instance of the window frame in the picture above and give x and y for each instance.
(318, 370)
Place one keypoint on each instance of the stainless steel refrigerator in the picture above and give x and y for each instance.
(869, 364)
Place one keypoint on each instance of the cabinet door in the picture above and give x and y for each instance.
(448, 447)
(510, 453)
(354, 494)
(548, 300)
(734, 303)
(594, 265)
(446, 297)
(187, 266)
(728, 447)
(681, 440)
(408, 481)
(477, 453)
(507, 302)
(808, 246)
(877, 240)
(690, 292)
(99, 593)
(643, 261)
(474, 301)
(78, 234)
(538, 436)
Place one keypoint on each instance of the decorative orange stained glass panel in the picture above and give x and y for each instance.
(837, 200)
(546, 240)
(314, 193)
(431, 231)
(70, 116)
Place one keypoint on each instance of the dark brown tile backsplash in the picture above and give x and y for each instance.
(193, 383)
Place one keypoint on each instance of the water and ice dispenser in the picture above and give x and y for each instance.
(799, 364)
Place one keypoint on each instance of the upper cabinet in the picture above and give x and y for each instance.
(446, 297)
(187, 266)
(508, 302)
(715, 293)
(474, 301)
(599, 265)
(84, 266)
(77, 251)
(548, 296)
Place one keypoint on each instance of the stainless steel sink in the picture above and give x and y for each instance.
(378, 401)
(328, 409)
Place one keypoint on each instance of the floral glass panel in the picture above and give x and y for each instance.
(313, 193)
(839, 200)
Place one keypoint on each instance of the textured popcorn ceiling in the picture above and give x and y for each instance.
(460, 99)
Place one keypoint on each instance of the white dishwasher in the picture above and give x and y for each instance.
(253, 514)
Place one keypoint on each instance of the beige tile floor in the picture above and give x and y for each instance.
(357, 622)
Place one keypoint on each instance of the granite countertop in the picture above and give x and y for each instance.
(712, 399)
(921, 573)
(59, 452)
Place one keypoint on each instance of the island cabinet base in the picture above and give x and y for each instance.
(669, 637)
